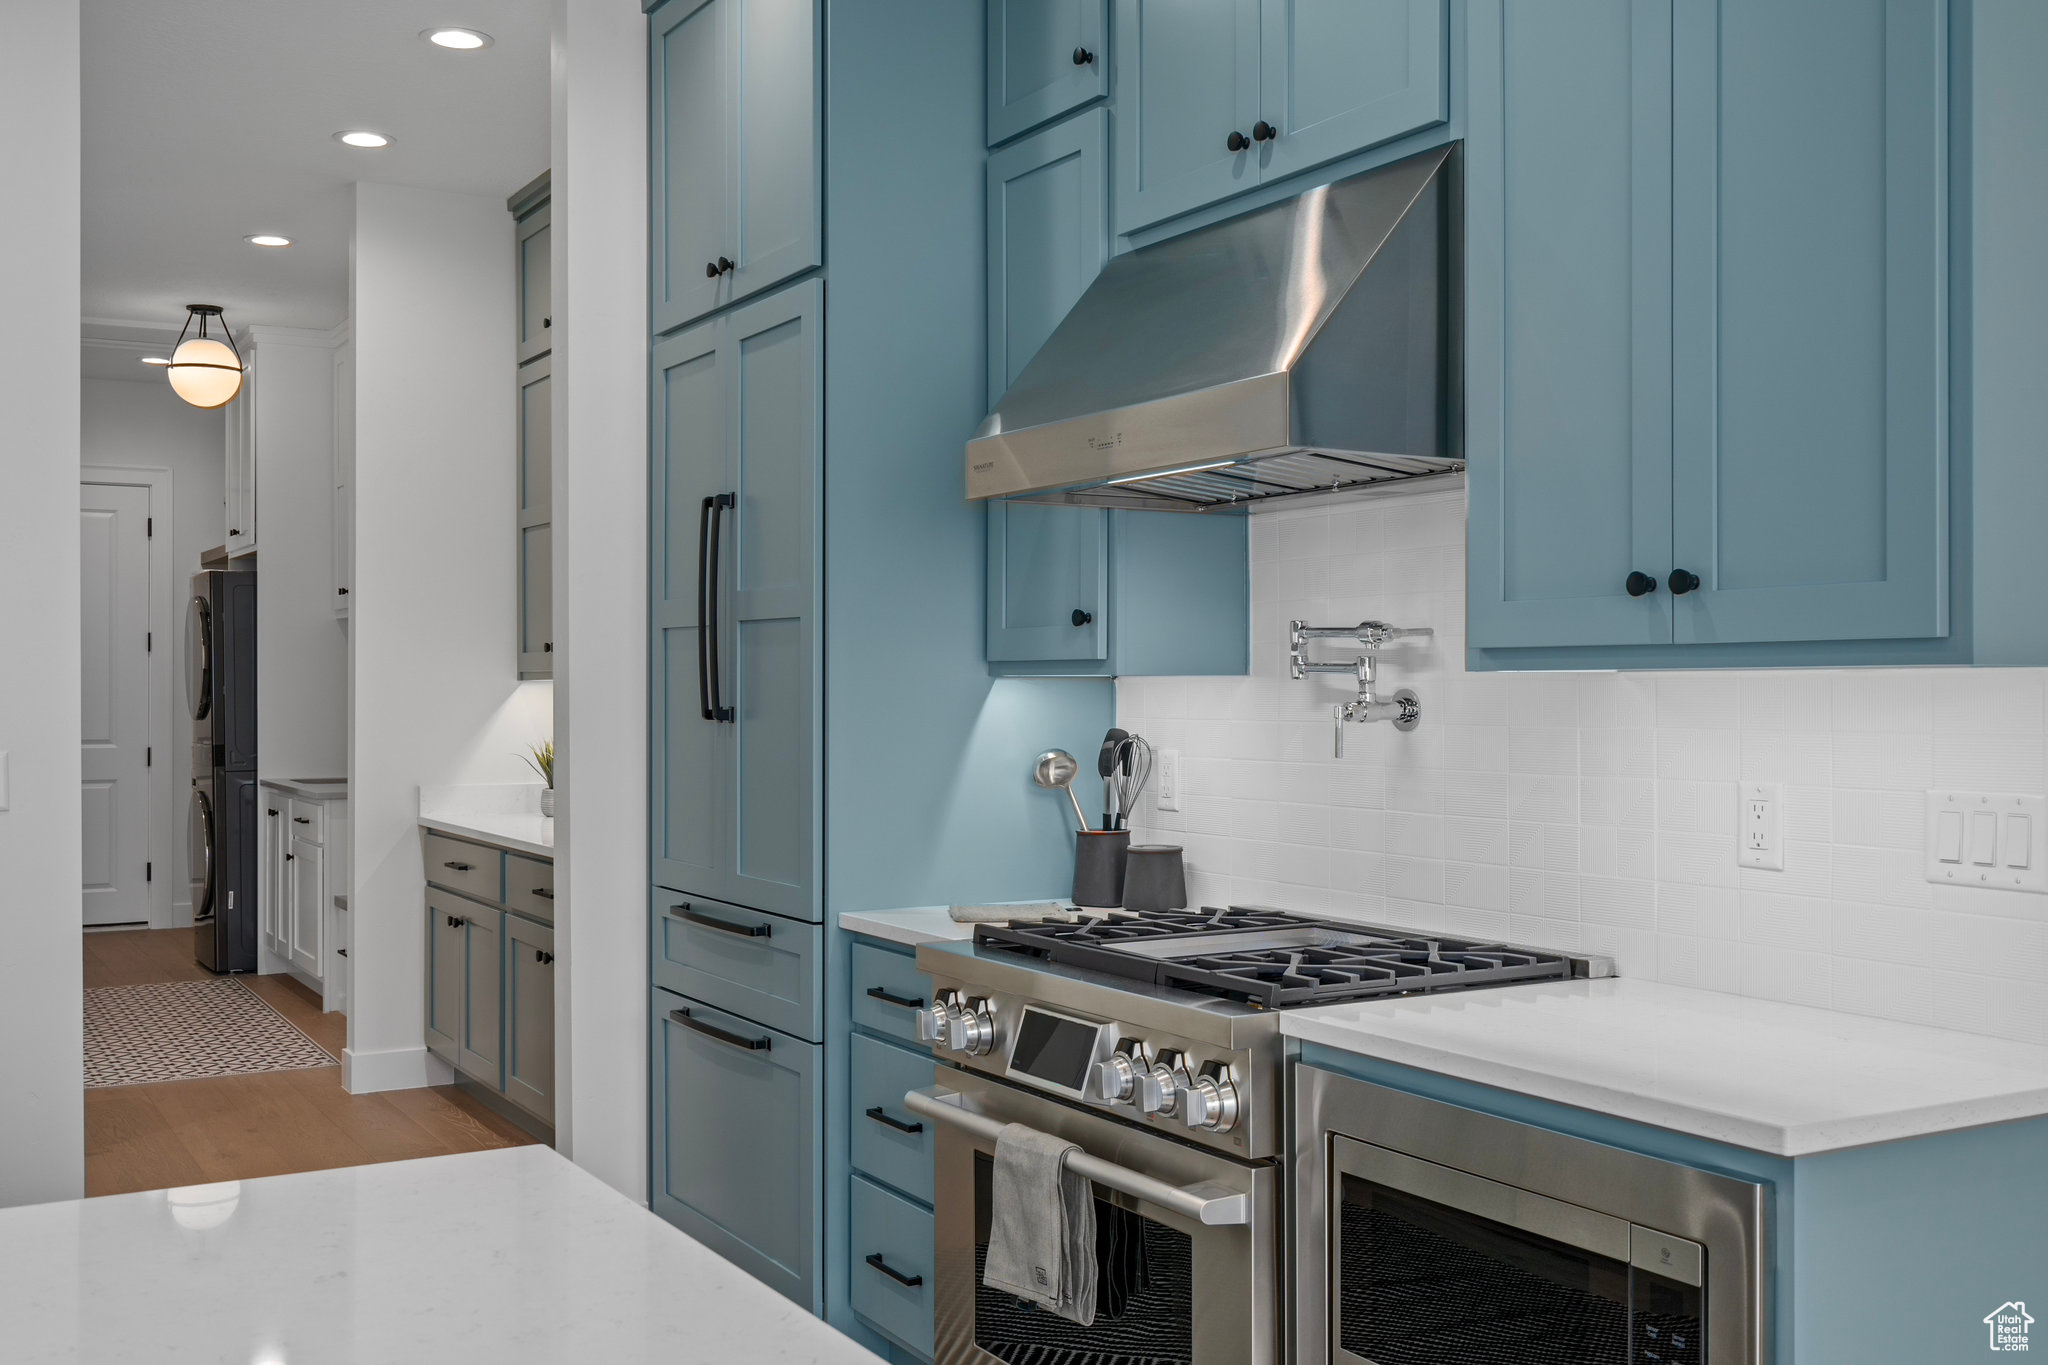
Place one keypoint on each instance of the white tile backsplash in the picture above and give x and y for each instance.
(1598, 810)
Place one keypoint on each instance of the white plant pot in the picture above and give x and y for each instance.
(547, 802)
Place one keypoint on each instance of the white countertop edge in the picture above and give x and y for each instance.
(325, 791)
(910, 926)
(509, 832)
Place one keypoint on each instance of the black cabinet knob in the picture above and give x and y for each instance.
(342, 591)
(1236, 141)
(1082, 618)
(1683, 581)
(713, 269)
(547, 322)
(1082, 56)
(1640, 583)
(1263, 131)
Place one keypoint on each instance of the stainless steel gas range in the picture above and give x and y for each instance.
(1153, 1042)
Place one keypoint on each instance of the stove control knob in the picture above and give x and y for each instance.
(1211, 1103)
(935, 1021)
(1159, 1089)
(1113, 1081)
(972, 1030)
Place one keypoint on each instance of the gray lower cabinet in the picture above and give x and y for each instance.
(530, 1016)
(892, 1265)
(481, 1044)
(446, 936)
(735, 1114)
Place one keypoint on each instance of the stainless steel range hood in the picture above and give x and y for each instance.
(1306, 347)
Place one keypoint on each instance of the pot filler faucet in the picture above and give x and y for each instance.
(1404, 708)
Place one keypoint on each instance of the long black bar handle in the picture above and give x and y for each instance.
(888, 998)
(738, 1040)
(719, 711)
(884, 1117)
(874, 1258)
(703, 635)
(684, 911)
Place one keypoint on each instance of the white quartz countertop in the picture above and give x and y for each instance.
(1785, 1079)
(310, 788)
(506, 815)
(511, 1257)
(917, 924)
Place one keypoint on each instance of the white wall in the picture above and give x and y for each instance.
(599, 207)
(42, 1128)
(433, 670)
(301, 654)
(1598, 810)
(142, 424)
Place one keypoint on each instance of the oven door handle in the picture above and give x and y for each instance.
(1209, 1204)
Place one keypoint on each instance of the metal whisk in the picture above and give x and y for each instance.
(1133, 771)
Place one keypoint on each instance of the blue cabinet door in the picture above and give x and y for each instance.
(1048, 583)
(1187, 77)
(769, 657)
(692, 752)
(688, 148)
(1810, 202)
(775, 161)
(1338, 76)
(1568, 323)
(1044, 58)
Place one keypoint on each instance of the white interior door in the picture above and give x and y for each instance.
(113, 536)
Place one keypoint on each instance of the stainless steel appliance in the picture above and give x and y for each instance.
(220, 663)
(1307, 346)
(1153, 1042)
(1427, 1232)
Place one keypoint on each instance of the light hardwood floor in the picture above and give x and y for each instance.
(147, 1137)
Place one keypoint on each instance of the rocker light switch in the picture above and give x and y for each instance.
(1988, 839)
(1984, 837)
(1948, 836)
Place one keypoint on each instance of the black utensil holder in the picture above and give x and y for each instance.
(1099, 856)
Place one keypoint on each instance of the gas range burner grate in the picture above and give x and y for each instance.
(1275, 959)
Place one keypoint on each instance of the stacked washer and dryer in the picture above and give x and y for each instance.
(220, 658)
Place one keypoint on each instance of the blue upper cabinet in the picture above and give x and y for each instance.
(1216, 96)
(1045, 57)
(734, 143)
(1706, 371)
(1811, 466)
(1048, 584)
(1187, 76)
(1048, 237)
(1568, 338)
(1340, 75)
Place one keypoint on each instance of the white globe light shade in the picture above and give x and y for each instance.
(197, 381)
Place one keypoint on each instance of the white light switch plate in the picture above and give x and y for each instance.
(1757, 840)
(1987, 839)
(1166, 783)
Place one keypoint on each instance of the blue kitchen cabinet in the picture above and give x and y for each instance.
(734, 1118)
(1706, 371)
(734, 138)
(1045, 58)
(738, 483)
(1217, 96)
(1048, 237)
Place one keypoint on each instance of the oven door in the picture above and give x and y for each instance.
(1188, 1246)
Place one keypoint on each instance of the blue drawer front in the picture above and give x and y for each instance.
(888, 990)
(881, 1148)
(890, 1231)
(762, 966)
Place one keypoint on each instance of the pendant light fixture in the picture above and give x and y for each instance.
(206, 371)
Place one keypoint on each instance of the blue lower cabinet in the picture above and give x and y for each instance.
(891, 1265)
(888, 991)
(734, 1154)
(890, 1143)
(761, 966)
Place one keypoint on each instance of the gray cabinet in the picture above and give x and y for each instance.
(447, 967)
(739, 481)
(481, 1043)
(536, 520)
(734, 1112)
(1045, 57)
(535, 279)
(734, 129)
(530, 1016)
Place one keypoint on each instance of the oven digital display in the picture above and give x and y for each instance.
(1054, 1050)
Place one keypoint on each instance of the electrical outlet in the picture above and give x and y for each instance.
(1166, 780)
(1758, 842)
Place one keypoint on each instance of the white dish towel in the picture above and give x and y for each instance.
(1041, 1241)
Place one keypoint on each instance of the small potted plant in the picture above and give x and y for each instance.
(541, 758)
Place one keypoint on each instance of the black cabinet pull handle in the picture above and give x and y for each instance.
(703, 635)
(1082, 56)
(458, 867)
(1080, 617)
(300, 820)
(454, 921)
(713, 269)
(233, 532)
(877, 993)
(694, 916)
(1263, 131)
(341, 952)
(1640, 583)
(544, 959)
(547, 647)
(342, 591)
(874, 1259)
(719, 710)
(289, 856)
(713, 1031)
(1236, 141)
(543, 893)
(884, 1117)
(273, 812)
(1683, 581)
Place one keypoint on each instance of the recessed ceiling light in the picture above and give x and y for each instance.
(267, 239)
(461, 39)
(362, 138)
(156, 360)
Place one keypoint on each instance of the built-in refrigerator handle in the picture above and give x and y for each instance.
(710, 520)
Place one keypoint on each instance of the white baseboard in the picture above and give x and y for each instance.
(396, 1068)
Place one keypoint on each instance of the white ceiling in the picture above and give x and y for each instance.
(208, 120)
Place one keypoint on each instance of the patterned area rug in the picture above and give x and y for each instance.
(183, 1030)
